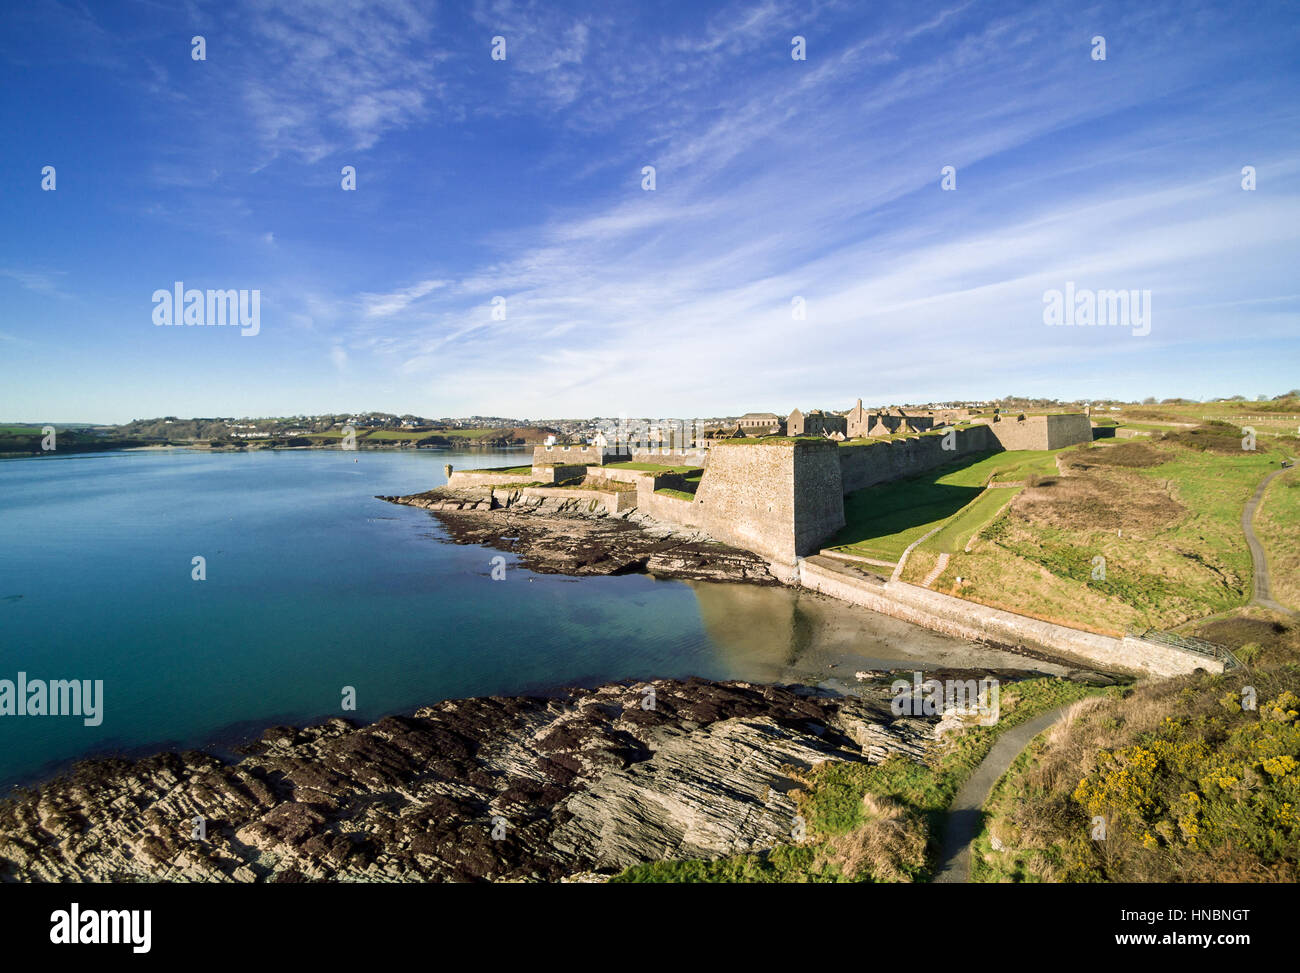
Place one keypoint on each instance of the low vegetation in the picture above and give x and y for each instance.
(1277, 525)
(1132, 534)
(1195, 779)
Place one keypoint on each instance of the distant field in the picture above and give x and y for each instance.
(1267, 418)
(464, 433)
(882, 521)
(402, 434)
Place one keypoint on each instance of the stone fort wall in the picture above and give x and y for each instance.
(779, 500)
(575, 455)
(818, 494)
(969, 620)
(747, 498)
(670, 457)
(783, 500)
(867, 464)
(1042, 432)
(670, 509)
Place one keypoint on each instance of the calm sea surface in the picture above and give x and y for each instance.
(313, 585)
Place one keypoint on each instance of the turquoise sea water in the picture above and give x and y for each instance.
(313, 585)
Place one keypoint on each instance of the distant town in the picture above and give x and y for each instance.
(387, 430)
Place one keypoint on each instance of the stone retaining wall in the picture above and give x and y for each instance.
(472, 478)
(965, 619)
(577, 455)
(670, 509)
(671, 457)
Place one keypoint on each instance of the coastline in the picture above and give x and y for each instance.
(417, 796)
(557, 536)
(571, 787)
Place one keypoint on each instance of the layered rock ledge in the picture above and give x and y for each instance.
(500, 788)
(565, 535)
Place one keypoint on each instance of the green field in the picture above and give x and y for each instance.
(400, 434)
(881, 521)
(464, 433)
(1277, 525)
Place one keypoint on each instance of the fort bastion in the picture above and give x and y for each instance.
(782, 498)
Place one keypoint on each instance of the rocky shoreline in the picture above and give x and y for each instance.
(560, 535)
(575, 787)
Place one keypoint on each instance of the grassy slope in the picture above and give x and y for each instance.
(1170, 535)
(882, 521)
(960, 529)
(1277, 525)
(1191, 786)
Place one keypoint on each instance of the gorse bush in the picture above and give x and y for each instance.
(1188, 784)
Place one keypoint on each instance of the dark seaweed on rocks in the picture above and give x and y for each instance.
(559, 535)
(496, 788)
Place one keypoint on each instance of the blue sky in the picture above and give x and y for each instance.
(521, 178)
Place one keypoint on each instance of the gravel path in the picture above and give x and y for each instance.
(1263, 589)
(965, 815)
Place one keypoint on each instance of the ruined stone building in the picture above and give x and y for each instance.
(816, 423)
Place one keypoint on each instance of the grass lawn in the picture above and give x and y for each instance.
(677, 494)
(512, 470)
(464, 433)
(402, 434)
(881, 521)
(333, 434)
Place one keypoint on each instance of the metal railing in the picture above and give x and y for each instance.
(1189, 643)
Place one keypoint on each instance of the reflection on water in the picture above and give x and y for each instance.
(791, 635)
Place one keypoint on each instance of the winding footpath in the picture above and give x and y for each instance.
(1263, 590)
(965, 815)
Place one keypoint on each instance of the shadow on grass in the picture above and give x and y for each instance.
(892, 508)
